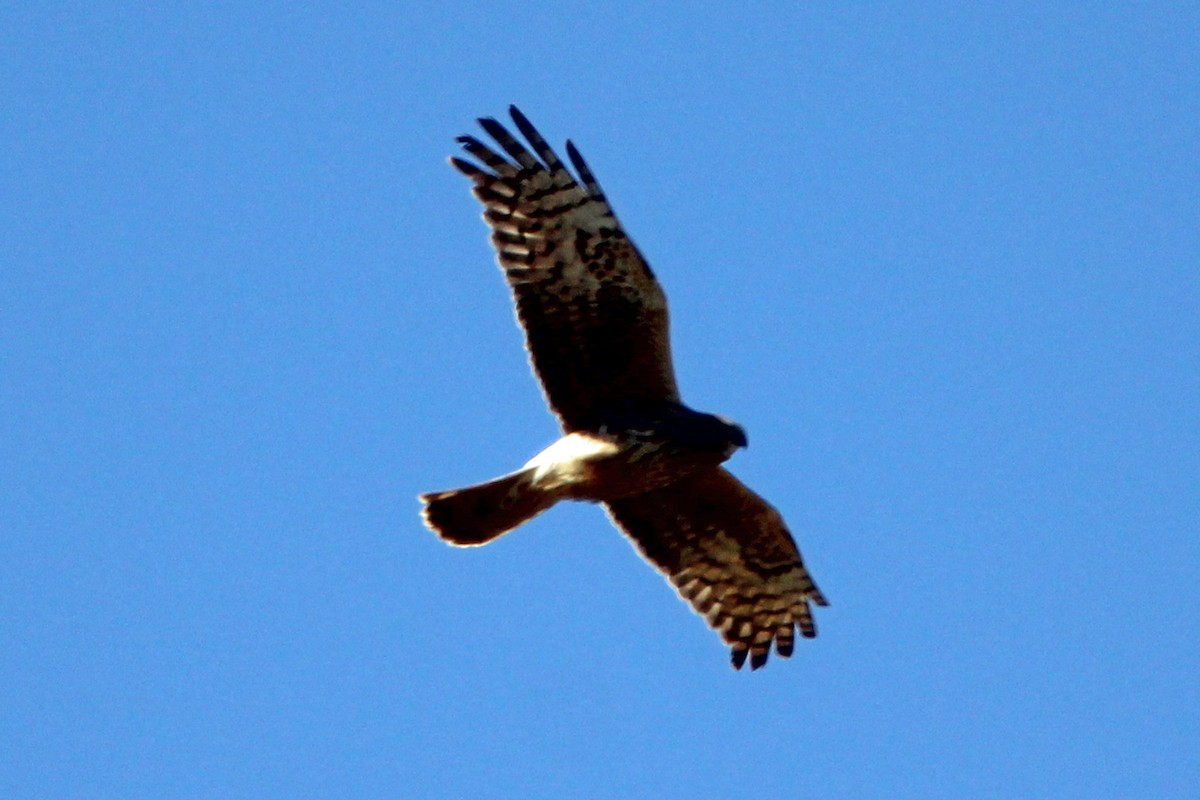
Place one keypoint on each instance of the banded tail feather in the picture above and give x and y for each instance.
(478, 514)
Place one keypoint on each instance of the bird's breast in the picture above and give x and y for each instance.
(640, 466)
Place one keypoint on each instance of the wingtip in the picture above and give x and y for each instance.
(465, 167)
(522, 122)
(492, 126)
(585, 172)
(737, 658)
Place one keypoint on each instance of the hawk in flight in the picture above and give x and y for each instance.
(595, 321)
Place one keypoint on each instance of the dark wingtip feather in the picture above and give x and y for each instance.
(737, 657)
(466, 167)
(785, 647)
(493, 126)
(479, 150)
(514, 148)
(543, 150)
(585, 174)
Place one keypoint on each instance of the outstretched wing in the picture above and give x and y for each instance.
(595, 318)
(729, 554)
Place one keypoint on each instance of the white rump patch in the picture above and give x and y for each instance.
(565, 456)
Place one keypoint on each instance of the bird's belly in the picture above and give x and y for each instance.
(639, 469)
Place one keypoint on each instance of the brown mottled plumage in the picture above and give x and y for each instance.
(595, 322)
(595, 318)
(729, 554)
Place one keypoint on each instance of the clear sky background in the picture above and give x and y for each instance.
(942, 262)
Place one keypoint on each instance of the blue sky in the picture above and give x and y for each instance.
(941, 261)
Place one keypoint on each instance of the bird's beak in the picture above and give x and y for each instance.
(739, 437)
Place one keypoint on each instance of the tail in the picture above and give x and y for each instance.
(478, 514)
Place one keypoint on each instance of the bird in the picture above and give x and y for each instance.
(596, 330)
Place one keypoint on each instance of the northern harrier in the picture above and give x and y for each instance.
(595, 323)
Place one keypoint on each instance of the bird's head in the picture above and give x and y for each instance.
(676, 422)
(711, 432)
(736, 433)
